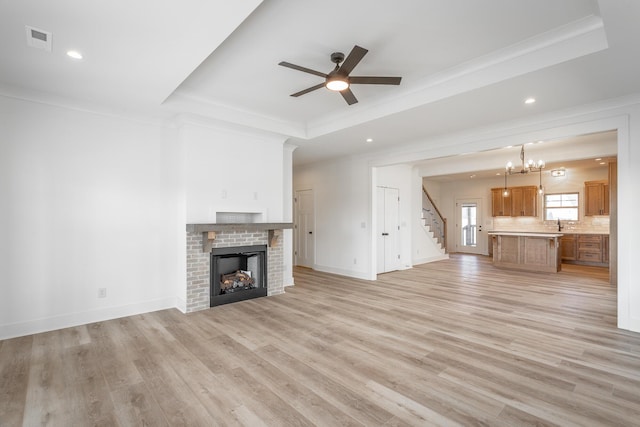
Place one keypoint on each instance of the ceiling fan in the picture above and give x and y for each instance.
(339, 79)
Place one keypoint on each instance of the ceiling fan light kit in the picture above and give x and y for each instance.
(338, 79)
(337, 84)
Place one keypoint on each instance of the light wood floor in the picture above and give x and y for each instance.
(455, 342)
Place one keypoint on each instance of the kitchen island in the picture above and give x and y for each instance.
(526, 250)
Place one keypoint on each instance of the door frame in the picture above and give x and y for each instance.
(481, 241)
(296, 230)
(393, 264)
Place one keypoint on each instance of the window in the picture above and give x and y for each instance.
(562, 206)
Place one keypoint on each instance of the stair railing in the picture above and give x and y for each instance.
(434, 219)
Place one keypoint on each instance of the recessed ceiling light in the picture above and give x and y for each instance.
(472, 176)
(603, 163)
(529, 100)
(598, 159)
(74, 54)
(369, 140)
(509, 146)
(498, 174)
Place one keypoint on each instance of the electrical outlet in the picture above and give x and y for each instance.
(102, 292)
(355, 260)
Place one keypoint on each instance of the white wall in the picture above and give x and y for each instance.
(88, 202)
(345, 220)
(287, 214)
(231, 171)
(628, 227)
(91, 201)
(340, 179)
(342, 191)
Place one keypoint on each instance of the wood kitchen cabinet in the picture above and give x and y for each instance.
(500, 204)
(521, 201)
(568, 247)
(590, 248)
(596, 198)
(526, 251)
(585, 249)
(524, 201)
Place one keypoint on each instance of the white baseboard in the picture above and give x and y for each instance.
(181, 305)
(342, 272)
(630, 324)
(75, 319)
(426, 260)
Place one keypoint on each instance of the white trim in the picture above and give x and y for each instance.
(565, 43)
(82, 318)
(342, 272)
(181, 304)
(580, 120)
(427, 260)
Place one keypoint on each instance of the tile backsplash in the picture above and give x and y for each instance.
(586, 225)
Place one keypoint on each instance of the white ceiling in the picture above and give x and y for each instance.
(591, 151)
(464, 63)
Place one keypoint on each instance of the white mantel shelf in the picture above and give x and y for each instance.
(260, 226)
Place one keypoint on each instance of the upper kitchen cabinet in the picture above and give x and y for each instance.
(500, 204)
(596, 198)
(524, 201)
(520, 201)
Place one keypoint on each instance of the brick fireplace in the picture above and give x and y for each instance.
(202, 238)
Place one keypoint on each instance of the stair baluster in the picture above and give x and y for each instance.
(434, 219)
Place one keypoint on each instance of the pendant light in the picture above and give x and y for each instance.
(526, 167)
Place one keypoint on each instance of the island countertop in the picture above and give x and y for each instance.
(525, 233)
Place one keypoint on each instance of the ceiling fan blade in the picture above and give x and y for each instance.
(303, 69)
(355, 56)
(307, 90)
(366, 80)
(348, 96)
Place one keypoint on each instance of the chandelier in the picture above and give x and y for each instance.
(526, 167)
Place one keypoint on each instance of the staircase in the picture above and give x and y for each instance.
(434, 225)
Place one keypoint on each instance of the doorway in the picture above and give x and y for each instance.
(388, 229)
(304, 228)
(469, 236)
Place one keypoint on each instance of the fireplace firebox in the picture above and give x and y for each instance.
(238, 273)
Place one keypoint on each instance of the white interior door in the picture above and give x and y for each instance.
(388, 229)
(469, 235)
(304, 228)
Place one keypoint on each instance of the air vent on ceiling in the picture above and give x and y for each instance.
(38, 38)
